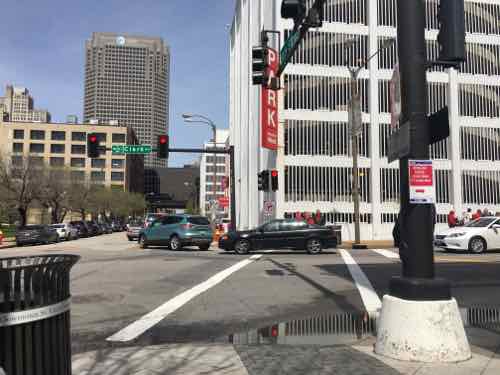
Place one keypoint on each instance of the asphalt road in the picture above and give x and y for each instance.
(116, 283)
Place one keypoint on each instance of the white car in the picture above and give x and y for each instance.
(66, 231)
(477, 236)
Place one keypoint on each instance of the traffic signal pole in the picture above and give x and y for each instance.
(419, 320)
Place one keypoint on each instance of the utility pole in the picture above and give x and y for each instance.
(355, 127)
(419, 320)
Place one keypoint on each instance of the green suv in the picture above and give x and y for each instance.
(176, 231)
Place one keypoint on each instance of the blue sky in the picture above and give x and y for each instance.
(42, 48)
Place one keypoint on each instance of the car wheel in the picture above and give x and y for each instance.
(313, 246)
(204, 247)
(130, 238)
(242, 247)
(142, 242)
(477, 245)
(175, 243)
(18, 244)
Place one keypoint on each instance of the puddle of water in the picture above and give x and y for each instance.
(329, 329)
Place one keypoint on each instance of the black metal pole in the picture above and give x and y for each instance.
(232, 187)
(416, 220)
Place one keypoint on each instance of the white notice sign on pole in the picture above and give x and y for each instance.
(421, 180)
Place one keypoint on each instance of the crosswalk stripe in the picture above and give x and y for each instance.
(368, 295)
(149, 320)
(387, 253)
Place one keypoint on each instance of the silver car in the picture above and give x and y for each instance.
(66, 231)
(133, 230)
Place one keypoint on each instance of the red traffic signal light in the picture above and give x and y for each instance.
(92, 145)
(274, 180)
(162, 147)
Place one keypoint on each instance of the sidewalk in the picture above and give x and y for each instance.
(225, 359)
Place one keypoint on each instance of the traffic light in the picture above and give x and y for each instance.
(162, 147)
(451, 37)
(92, 145)
(274, 180)
(295, 9)
(263, 178)
(260, 62)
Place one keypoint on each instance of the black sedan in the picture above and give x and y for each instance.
(281, 234)
(34, 234)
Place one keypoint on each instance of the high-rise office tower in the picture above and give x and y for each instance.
(127, 80)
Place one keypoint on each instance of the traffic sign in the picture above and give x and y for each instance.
(131, 149)
(421, 180)
(224, 202)
(268, 207)
(288, 46)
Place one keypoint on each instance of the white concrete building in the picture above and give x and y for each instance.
(314, 154)
(207, 175)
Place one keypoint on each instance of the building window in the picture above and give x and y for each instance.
(118, 138)
(117, 163)
(17, 161)
(37, 147)
(37, 134)
(57, 162)
(58, 136)
(57, 149)
(78, 175)
(18, 134)
(17, 147)
(117, 176)
(101, 137)
(37, 161)
(78, 149)
(97, 176)
(78, 162)
(78, 136)
(98, 163)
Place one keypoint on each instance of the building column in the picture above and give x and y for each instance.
(454, 118)
(373, 106)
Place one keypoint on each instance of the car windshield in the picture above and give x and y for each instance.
(57, 225)
(481, 222)
(198, 220)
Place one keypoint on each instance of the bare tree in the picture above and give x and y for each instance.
(79, 196)
(54, 190)
(20, 181)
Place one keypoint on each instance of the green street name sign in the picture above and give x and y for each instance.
(289, 45)
(131, 149)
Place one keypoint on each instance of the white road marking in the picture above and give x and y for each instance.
(387, 253)
(140, 326)
(368, 295)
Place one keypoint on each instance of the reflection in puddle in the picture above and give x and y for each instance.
(338, 329)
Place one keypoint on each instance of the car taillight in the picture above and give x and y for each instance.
(186, 226)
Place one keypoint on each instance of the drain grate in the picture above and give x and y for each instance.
(481, 316)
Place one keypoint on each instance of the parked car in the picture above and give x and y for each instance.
(81, 226)
(133, 229)
(105, 228)
(176, 231)
(35, 234)
(66, 231)
(279, 234)
(93, 227)
(117, 226)
(476, 236)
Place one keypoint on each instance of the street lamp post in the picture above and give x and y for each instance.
(194, 118)
(355, 128)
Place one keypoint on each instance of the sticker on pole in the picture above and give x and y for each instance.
(421, 179)
(268, 208)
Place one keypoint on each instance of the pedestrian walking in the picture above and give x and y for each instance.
(468, 215)
(319, 219)
(476, 215)
(298, 216)
(452, 219)
(486, 212)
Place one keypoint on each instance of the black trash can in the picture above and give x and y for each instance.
(35, 315)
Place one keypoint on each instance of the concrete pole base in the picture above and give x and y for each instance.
(421, 331)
